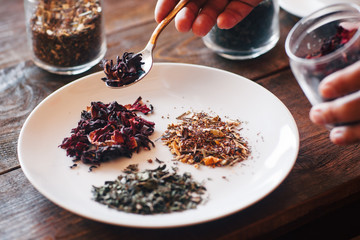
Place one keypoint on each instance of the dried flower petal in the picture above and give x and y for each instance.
(335, 42)
(126, 70)
(107, 131)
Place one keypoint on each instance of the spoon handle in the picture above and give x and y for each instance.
(166, 21)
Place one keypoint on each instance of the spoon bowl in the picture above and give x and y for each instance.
(147, 52)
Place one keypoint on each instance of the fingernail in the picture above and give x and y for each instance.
(337, 135)
(328, 91)
(316, 115)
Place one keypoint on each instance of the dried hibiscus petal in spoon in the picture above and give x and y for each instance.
(108, 131)
(126, 70)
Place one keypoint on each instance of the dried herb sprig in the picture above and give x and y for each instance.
(150, 191)
(107, 131)
(125, 71)
(202, 139)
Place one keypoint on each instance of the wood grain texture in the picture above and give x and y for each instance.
(325, 177)
(308, 188)
(12, 34)
(28, 215)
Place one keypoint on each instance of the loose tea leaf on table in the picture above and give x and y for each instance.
(150, 191)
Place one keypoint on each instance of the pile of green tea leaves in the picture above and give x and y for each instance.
(150, 191)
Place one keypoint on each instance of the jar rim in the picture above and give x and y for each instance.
(331, 9)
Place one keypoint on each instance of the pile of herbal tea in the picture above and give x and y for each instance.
(150, 191)
(202, 139)
(108, 131)
(124, 71)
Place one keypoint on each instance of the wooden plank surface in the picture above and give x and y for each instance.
(324, 177)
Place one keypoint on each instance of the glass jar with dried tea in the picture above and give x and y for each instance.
(66, 36)
(255, 35)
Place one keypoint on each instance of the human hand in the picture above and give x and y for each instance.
(344, 87)
(201, 15)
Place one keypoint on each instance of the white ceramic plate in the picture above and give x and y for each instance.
(172, 89)
(302, 8)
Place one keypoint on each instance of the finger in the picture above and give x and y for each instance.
(206, 19)
(341, 82)
(342, 110)
(234, 12)
(345, 135)
(163, 8)
(186, 17)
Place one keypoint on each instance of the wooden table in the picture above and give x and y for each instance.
(318, 198)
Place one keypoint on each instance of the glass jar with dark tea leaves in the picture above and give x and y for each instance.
(65, 36)
(255, 35)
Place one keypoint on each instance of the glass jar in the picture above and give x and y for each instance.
(65, 36)
(322, 43)
(255, 35)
